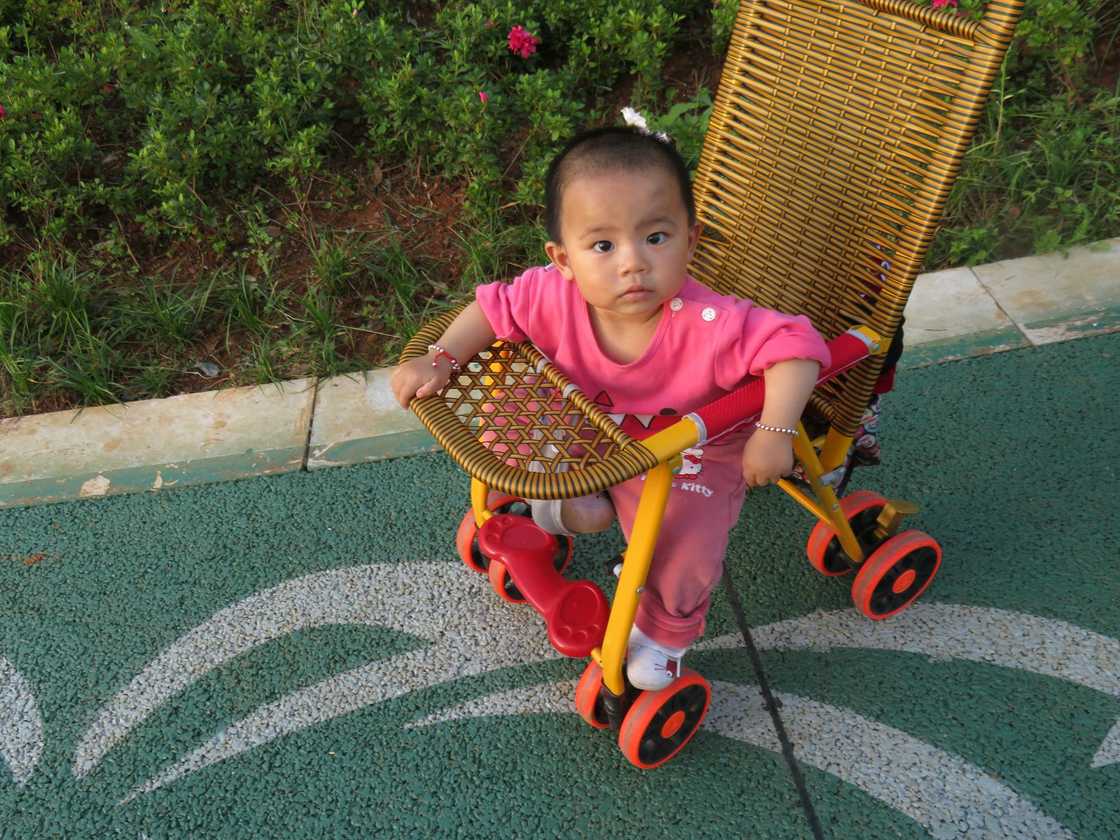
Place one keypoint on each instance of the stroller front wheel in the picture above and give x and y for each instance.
(588, 702)
(660, 723)
(466, 538)
(502, 583)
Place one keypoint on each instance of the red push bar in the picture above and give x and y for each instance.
(744, 404)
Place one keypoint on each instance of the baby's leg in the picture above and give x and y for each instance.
(688, 559)
(581, 515)
(687, 565)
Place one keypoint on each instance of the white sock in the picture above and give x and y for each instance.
(546, 514)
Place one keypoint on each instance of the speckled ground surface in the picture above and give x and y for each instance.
(304, 656)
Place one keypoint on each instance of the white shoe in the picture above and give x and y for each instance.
(649, 665)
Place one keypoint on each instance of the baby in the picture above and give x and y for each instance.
(618, 313)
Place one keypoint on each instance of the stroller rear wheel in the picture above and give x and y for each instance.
(823, 549)
(895, 574)
(466, 538)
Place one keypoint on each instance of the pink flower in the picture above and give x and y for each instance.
(941, 4)
(521, 42)
(3, 113)
(483, 96)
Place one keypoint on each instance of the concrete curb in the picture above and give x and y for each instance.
(155, 444)
(302, 424)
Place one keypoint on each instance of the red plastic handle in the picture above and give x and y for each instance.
(744, 404)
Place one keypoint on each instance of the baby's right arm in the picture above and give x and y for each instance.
(425, 375)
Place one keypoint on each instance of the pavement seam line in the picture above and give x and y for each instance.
(310, 424)
(999, 306)
(771, 705)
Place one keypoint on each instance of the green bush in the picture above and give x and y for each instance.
(164, 114)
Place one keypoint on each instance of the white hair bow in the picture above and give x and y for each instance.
(632, 117)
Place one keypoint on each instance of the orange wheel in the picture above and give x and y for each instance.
(895, 574)
(823, 549)
(502, 583)
(588, 703)
(660, 723)
(466, 538)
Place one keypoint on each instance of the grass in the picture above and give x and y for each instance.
(1039, 179)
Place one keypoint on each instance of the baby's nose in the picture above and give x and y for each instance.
(632, 260)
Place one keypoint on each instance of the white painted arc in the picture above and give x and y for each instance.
(938, 790)
(326, 700)
(539, 698)
(21, 725)
(464, 643)
(1109, 752)
(1025, 642)
(342, 694)
(383, 596)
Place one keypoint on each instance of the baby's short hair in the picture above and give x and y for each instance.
(605, 149)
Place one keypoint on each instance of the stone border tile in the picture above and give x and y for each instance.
(950, 304)
(357, 420)
(153, 444)
(950, 315)
(1053, 297)
(1067, 327)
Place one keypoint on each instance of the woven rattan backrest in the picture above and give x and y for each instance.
(837, 131)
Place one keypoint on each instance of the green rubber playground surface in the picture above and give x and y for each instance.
(305, 656)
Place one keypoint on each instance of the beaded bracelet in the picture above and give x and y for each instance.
(442, 353)
(765, 428)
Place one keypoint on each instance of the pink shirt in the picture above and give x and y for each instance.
(705, 344)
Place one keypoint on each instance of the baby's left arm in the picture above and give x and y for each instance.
(768, 455)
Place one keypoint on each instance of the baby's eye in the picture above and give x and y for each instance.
(657, 238)
(607, 246)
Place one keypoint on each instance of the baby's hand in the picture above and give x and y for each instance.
(767, 457)
(417, 378)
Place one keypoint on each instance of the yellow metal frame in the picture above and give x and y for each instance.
(668, 445)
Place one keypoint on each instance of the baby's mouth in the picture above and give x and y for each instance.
(635, 292)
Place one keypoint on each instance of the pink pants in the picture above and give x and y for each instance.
(703, 506)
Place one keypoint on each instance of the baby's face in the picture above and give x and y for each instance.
(626, 243)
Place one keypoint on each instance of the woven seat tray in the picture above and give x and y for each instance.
(513, 421)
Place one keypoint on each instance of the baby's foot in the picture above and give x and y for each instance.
(650, 665)
(587, 514)
(584, 515)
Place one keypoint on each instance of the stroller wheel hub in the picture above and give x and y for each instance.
(904, 582)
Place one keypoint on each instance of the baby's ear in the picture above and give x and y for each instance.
(693, 238)
(558, 254)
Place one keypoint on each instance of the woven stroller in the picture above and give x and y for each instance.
(837, 131)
